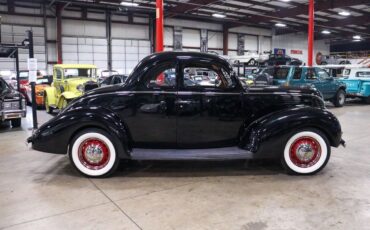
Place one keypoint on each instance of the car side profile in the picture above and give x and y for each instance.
(148, 118)
(357, 80)
(302, 76)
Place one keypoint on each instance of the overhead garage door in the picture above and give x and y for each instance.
(85, 50)
(16, 34)
(126, 53)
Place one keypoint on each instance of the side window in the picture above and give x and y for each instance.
(163, 76)
(322, 74)
(297, 74)
(363, 74)
(281, 73)
(116, 80)
(201, 76)
(311, 75)
(58, 73)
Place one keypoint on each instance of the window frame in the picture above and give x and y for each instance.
(144, 83)
(193, 64)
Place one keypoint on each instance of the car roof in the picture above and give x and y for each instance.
(74, 66)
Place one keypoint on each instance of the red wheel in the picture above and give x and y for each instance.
(92, 152)
(306, 152)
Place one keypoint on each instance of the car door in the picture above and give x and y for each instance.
(329, 86)
(152, 116)
(311, 77)
(59, 88)
(209, 115)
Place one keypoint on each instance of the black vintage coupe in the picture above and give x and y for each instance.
(150, 118)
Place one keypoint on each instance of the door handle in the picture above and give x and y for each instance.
(163, 106)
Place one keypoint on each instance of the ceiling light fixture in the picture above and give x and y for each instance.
(216, 15)
(357, 37)
(133, 4)
(280, 25)
(285, 0)
(356, 40)
(325, 32)
(344, 13)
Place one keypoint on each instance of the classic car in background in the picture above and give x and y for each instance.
(330, 88)
(148, 118)
(281, 59)
(12, 104)
(114, 80)
(69, 81)
(41, 83)
(250, 58)
(105, 74)
(23, 82)
(357, 80)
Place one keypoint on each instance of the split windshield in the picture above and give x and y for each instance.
(3, 86)
(77, 73)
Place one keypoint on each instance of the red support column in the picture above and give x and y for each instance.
(59, 9)
(310, 32)
(159, 26)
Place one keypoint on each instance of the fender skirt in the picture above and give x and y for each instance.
(267, 136)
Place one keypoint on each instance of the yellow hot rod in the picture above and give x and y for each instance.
(69, 81)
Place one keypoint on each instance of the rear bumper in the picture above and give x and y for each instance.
(12, 114)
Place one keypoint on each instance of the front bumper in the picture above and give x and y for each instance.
(12, 114)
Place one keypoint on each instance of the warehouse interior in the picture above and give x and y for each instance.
(44, 191)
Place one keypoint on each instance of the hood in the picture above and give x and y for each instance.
(105, 89)
(74, 82)
(9, 94)
(285, 89)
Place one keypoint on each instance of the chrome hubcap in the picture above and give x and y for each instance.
(305, 152)
(94, 154)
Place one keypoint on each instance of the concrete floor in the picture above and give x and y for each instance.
(43, 191)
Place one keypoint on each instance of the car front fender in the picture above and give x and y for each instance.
(55, 135)
(69, 95)
(267, 135)
(50, 93)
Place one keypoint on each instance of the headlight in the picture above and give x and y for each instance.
(40, 93)
(80, 88)
(7, 105)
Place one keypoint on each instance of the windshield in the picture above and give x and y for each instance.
(23, 75)
(3, 86)
(76, 73)
(43, 80)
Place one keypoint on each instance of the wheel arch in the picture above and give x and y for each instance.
(268, 134)
(50, 94)
(55, 135)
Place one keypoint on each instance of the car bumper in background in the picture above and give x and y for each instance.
(12, 114)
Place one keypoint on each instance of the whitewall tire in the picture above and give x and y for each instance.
(306, 152)
(93, 153)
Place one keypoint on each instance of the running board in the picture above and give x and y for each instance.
(229, 153)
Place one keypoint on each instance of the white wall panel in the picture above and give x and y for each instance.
(16, 34)
(215, 40)
(130, 31)
(127, 53)
(233, 41)
(266, 44)
(250, 43)
(168, 36)
(190, 37)
(83, 28)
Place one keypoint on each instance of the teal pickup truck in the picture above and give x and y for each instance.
(358, 83)
(302, 76)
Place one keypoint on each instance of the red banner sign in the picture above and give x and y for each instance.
(296, 52)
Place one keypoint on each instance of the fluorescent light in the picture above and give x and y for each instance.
(129, 4)
(280, 25)
(344, 13)
(285, 0)
(325, 32)
(356, 40)
(216, 15)
(357, 37)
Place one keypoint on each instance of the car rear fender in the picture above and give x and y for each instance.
(267, 135)
(50, 93)
(55, 135)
